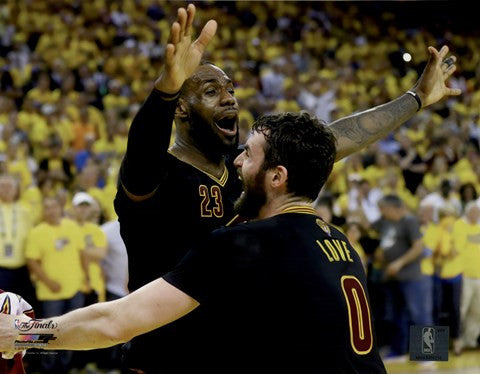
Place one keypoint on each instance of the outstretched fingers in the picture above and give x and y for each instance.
(436, 57)
(453, 91)
(182, 20)
(208, 32)
(174, 37)
(190, 18)
(443, 52)
(169, 54)
(434, 54)
(448, 69)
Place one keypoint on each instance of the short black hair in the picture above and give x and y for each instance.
(303, 144)
(391, 200)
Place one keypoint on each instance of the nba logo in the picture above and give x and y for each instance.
(428, 340)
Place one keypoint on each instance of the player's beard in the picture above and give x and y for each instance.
(252, 199)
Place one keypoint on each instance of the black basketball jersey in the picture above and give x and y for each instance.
(284, 294)
(187, 205)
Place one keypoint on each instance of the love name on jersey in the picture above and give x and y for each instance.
(335, 249)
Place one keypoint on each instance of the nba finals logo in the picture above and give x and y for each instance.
(428, 340)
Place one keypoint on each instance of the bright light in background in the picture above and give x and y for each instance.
(407, 57)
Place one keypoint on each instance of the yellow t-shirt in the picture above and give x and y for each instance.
(431, 181)
(361, 253)
(451, 265)
(20, 168)
(430, 239)
(92, 234)
(105, 197)
(469, 251)
(59, 250)
(115, 101)
(31, 198)
(50, 97)
(15, 225)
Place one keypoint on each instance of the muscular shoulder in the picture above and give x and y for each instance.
(172, 173)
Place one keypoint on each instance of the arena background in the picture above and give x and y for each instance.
(75, 72)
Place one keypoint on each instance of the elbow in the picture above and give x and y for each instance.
(117, 335)
(114, 333)
(110, 325)
(119, 328)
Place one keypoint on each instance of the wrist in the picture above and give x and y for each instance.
(417, 98)
(167, 91)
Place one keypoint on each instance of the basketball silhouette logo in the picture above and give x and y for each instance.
(428, 340)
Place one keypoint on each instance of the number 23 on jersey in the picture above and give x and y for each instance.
(211, 204)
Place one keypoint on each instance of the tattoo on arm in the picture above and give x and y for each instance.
(29, 335)
(359, 130)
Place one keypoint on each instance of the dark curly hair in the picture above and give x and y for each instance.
(301, 143)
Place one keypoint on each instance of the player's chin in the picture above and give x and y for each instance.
(231, 141)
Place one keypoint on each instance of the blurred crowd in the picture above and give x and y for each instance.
(74, 73)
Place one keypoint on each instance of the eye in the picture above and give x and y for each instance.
(231, 91)
(210, 92)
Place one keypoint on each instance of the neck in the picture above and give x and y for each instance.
(54, 222)
(278, 205)
(191, 155)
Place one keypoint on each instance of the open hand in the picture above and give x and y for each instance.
(8, 334)
(182, 56)
(431, 86)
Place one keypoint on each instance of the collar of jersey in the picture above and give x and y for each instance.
(221, 181)
(304, 209)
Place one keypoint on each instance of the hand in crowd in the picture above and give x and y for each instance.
(54, 286)
(182, 55)
(431, 86)
(393, 268)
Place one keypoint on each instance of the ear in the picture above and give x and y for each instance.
(279, 177)
(181, 110)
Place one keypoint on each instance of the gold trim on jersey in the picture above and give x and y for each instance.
(233, 220)
(300, 209)
(221, 181)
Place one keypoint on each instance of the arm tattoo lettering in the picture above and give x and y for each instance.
(29, 337)
(35, 324)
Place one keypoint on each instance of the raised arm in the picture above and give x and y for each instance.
(149, 135)
(99, 325)
(359, 130)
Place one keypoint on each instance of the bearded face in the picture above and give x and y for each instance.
(253, 197)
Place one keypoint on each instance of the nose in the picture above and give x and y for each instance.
(228, 99)
(238, 162)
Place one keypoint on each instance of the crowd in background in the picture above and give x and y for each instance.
(74, 73)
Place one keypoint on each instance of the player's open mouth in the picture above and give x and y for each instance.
(228, 123)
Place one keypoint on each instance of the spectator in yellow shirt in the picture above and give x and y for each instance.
(15, 225)
(54, 257)
(466, 236)
(448, 275)
(95, 242)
